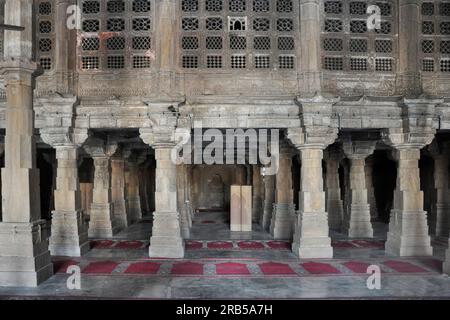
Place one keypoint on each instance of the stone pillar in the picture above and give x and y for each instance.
(133, 199)
(440, 153)
(166, 240)
(281, 226)
(69, 231)
(143, 185)
(358, 224)
(408, 227)
(102, 223)
(370, 189)
(118, 191)
(257, 197)
(269, 199)
(335, 207)
(309, 60)
(311, 237)
(183, 201)
(24, 255)
(446, 267)
(62, 50)
(408, 33)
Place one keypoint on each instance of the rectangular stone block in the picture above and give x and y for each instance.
(235, 208)
(246, 208)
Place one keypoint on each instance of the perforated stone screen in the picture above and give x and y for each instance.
(45, 32)
(239, 34)
(349, 45)
(116, 35)
(435, 36)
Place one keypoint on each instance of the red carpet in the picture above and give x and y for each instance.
(342, 244)
(273, 268)
(320, 268)
(220, 245)
(143, 268)
(253, 245)
(277, 245)
(369, 243)
(194, 245)
(101, 244)
(231, 268)
(187, 268)
(129, 245)
(404, 267)
(101, 267)
(357, 267)
(62, 265)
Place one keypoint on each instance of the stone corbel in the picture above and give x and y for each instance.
(97, 148)
(333, 153)
(357, 149)
(319, 137)
(63, 136)
(400, 138)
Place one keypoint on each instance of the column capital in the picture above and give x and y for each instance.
(59, 137)
(312, 138)
(18, 71)
(438, 149)
(163, 137)
(333, 153)
(97, 148)
(358, 149)
(403, 139)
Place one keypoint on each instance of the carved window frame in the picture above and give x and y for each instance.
(126, 52)
(346, 59)
(250, 52)
(431, 59)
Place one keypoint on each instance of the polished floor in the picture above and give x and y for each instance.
(222, 264)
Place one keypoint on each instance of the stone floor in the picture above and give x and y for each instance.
(222, 264)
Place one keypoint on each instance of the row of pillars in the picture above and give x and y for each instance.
(321, 209)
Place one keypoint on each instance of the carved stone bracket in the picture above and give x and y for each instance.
(97, 148)
(64, 136)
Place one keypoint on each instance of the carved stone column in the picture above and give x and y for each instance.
(118, 190)
(257, 195)
(281, 226)
(69, 231)
(24, 255)
(311, 238)
(408, 227)
(269, 199)
(310, 62)
(166, 240)
(102, 223)
(359, 221)
(334, 206)
(183, 201)
(133, 199)
(440, 153)
(370, 189)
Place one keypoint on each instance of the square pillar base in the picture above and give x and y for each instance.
(24, 256)
(100, 225)
(166, 247)
(282, 226)
(360, 225)
(311, 239)
(408, 234)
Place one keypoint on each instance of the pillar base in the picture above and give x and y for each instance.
(446, 267)
(134, 210)
(359, 225)
(442, 220)
(100, 225)
(166, 241)
(282, 224)
(68, 238)
(24, 256)
(120, 215)
(166, 247)
(335, 214)
(311, 239)
(408, 234)
(267, 215)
